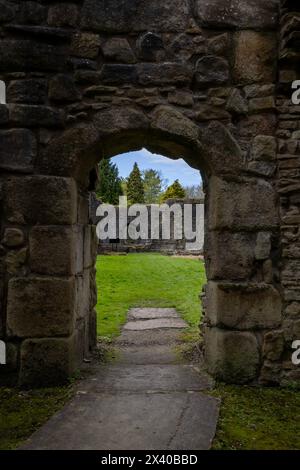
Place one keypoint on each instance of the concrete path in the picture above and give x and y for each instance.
(147, 400)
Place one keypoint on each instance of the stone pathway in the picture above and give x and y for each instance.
(147, 400)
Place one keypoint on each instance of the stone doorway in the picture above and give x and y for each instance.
(50, 313)
(84, 83)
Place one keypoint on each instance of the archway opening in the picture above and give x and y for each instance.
(153, 267)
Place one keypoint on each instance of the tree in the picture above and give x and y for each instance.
(175, 191)
(154, 185)
(109, 186)
(135, 187)
(194, 192)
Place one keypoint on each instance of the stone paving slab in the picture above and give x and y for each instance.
(148, 378)
(174, 421)
(155, 354)
(149, 338)
(154, 324)
(150, 313)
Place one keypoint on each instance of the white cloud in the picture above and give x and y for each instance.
(170, 169)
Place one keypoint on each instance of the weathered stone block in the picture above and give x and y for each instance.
(236, 103)
(256, 124)
(118, 74)
(46, 362)
(120, 119)
(118, 50)
(41, 199)
(236, 262)
(259, 105)
(63, 88)
(13, 237)
(293, 310)
(263, 246)
(31, 91)
(150, 47)
(90, 246)
(23, 54)
(63, 14)
(181, 98)
(56, 250)
(255, 57)
(86, 45)
(82, 299)
(4, 115)
(15, 260)
(18, 150)
(83, 210)
(270, 373)
(210, 113)
(185, 47)
(225, 154)
(136, 15)
(212, 71)
(242, 14)
(243, 306)
(273, 346)
(231, 356)
(67, 155)
(218, 45)
(171, 121)
(33, 116)
(164, 74)
(264, 147)
(40, 307)
(248, 204)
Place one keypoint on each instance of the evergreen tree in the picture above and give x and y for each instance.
(109, 186)
(175, 191)
(154, 185)
(135, 187)
(195, 191)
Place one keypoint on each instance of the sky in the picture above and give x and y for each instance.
(170, 169)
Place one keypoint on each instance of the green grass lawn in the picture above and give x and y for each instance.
(147, 280)
(255, 418)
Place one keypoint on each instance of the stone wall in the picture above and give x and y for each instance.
(190, 78)
(277, 367)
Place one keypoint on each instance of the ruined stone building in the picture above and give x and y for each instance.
(209, 81)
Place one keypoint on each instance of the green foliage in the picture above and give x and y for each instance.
(147, 280)
(124, 186)
(135, 187)
(109, 187)
(153, 186)
(175, 191)
(194, 191)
